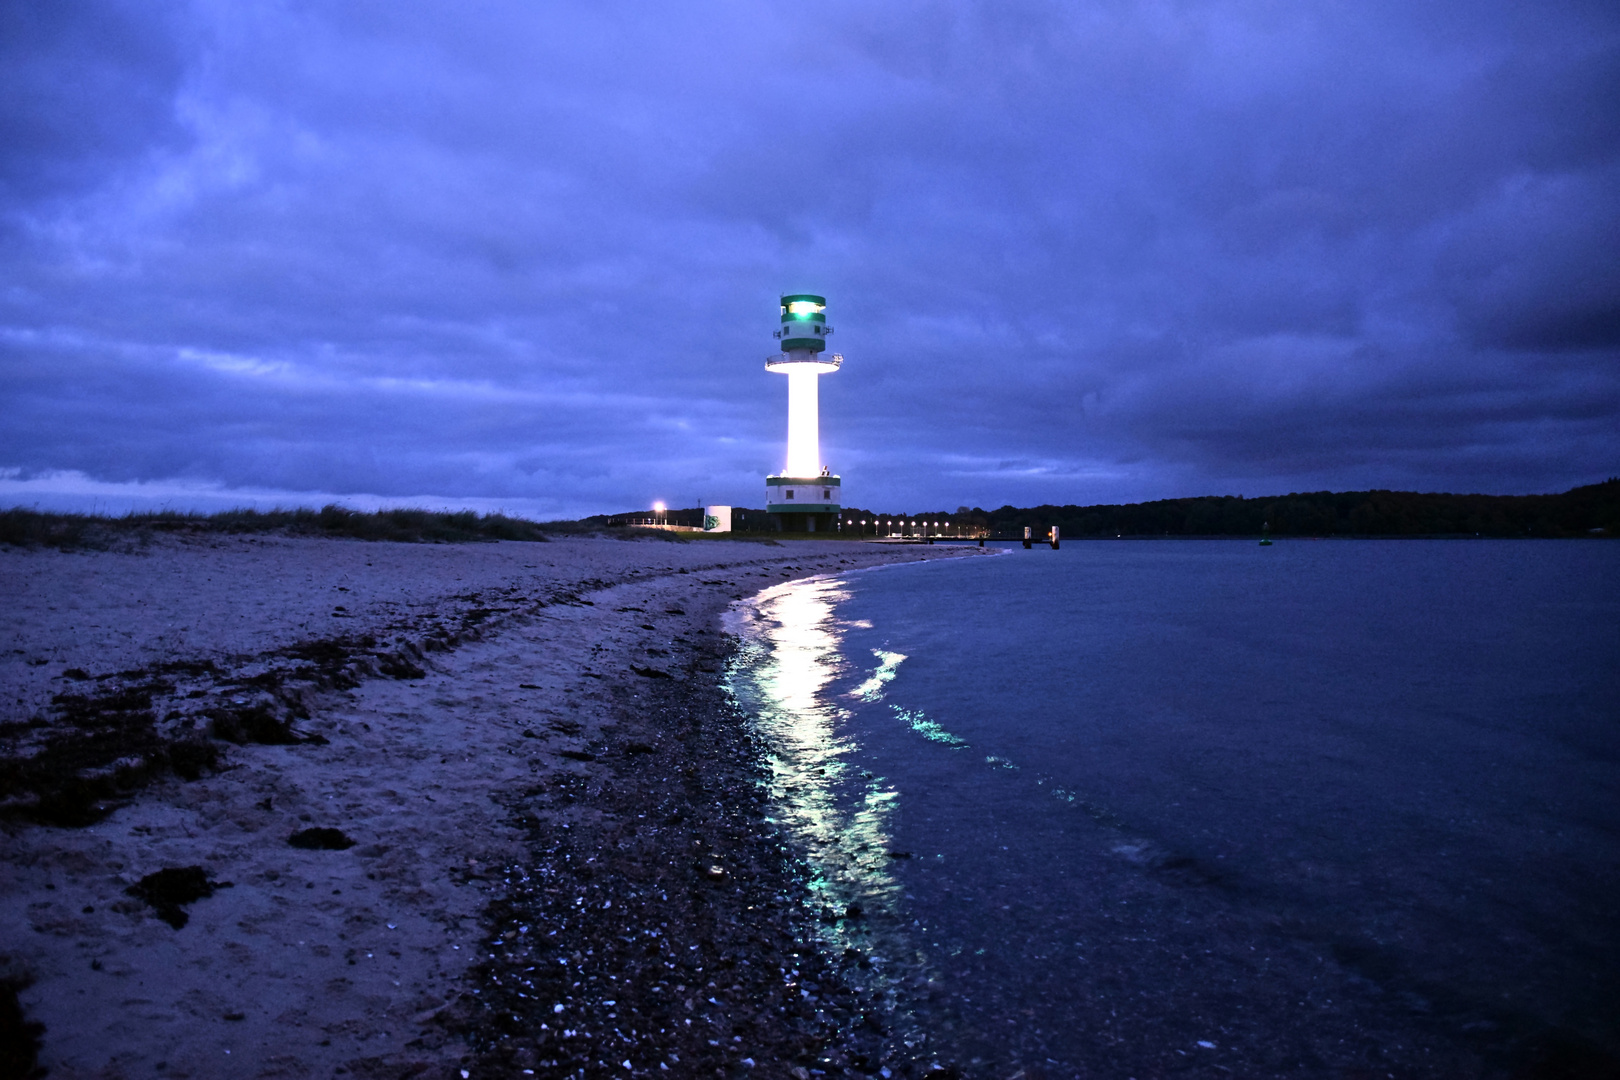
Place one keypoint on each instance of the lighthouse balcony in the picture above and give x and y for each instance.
(804, 361)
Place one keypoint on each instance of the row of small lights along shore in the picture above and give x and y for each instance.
(876, 523)
(901, 523)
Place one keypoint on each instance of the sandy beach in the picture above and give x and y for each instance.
(311, 807)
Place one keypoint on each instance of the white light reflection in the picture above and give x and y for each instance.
(785, 677)
(872, 688)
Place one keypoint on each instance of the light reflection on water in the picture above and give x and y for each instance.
(788, 673)
(1160, 796)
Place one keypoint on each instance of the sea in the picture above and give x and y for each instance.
(1145, 808)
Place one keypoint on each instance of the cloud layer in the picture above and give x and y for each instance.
(530, 254)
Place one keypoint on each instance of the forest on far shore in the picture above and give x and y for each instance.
(1590, 511)
(1593, 510)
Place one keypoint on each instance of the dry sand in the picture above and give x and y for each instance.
(463, 714)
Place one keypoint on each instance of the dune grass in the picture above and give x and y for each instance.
(23, 527)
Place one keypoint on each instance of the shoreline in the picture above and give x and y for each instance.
(578, 683)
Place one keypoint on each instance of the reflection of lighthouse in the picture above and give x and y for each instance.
(805, 497)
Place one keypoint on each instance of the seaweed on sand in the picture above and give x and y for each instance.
(321, 839)
(101, 747)
(19, 1036)
(169, 890)
(97, 743)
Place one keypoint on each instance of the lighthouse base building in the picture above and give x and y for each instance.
(805, 496)
(804, 503)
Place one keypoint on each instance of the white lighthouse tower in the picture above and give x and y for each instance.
(805, 497)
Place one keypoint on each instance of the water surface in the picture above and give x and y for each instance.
(1201, 807)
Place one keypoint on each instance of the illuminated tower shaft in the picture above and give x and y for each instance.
(806, 497)
(804, 421)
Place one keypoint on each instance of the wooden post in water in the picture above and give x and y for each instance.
(1027, 540)
(1054, 538)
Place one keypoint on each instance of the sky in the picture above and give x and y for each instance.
(526, 256)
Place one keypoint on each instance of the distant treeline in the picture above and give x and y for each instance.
(1593, 510)
(34, 528)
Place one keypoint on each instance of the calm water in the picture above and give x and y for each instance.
(1207, 808)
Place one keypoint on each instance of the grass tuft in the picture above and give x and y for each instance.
(21, 527)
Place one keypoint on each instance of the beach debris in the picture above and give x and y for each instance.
(70, 768)
(251, 723)
(399, 666)
(167, 891)
(19, 1036)
(321, 838)
(681, 965)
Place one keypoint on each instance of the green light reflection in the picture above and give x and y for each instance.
(929, 729)
(872, 688)
(785, 675)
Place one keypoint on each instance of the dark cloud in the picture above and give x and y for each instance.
(1075, 253)
(84, 88)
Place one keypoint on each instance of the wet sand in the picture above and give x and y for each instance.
(539, 841)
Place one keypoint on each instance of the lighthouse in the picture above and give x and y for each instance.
(805, 496)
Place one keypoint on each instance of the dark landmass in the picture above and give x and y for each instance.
(1593, 510)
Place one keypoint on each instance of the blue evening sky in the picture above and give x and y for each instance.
(526, 255)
